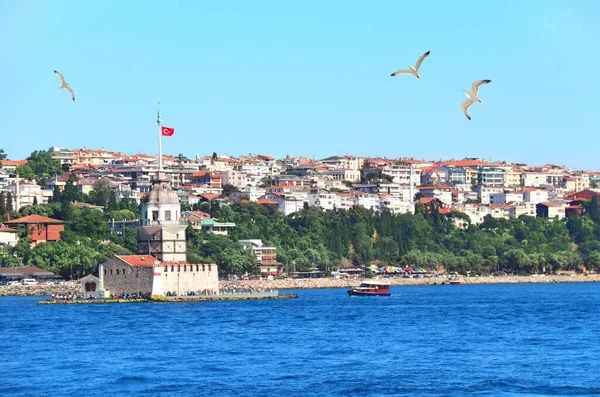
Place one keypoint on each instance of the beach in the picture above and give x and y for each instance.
(316, 283)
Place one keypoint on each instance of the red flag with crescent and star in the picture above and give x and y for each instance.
(166, 131)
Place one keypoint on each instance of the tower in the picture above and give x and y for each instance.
(162, 233)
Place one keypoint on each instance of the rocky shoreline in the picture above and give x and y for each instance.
(317, 283)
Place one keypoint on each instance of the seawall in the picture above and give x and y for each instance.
(264, 285)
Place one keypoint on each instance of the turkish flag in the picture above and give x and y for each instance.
(166, 131)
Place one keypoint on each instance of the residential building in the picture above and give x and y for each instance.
(266, 257)
(551, 209)
(8, 236)
(39, 229)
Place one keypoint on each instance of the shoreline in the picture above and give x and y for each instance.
(322, 283)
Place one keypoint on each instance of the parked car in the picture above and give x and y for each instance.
(28, 281)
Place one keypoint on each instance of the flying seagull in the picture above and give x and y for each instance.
(65, 85)
(412, 70)
(472, 96)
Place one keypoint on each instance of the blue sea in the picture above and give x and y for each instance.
(462, 340)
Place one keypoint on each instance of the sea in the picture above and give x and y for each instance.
(439, 340)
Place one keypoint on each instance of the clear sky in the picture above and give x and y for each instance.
(304, 78)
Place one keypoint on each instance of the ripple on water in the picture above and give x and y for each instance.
(491, 340)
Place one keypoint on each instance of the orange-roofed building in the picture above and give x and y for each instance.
(11, 165)
(39, 228)
(267, 201)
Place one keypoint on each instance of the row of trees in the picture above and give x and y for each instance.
(425, 240)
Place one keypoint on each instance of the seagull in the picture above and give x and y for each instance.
(65, 85)
(412, 70)
(472, 96)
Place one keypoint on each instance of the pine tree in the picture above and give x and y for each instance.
(113, 205)
(9, 203)
(3, 210)
(56, 195)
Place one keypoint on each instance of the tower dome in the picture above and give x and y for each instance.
(161, 193)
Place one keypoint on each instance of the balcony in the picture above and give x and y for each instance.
(147, 222)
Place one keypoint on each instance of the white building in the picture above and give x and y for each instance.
(8, 236)
(535, 195)
(506, 197)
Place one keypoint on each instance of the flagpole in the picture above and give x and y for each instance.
(158, 121)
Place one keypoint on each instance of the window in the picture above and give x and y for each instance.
(167, 215)
(166, 268)
(184, 268)
(105, 272)
(154, 215)
(178, 268)
(172, 268)
(117, 271)
(111, 272)
(203, 268)
(197, 267)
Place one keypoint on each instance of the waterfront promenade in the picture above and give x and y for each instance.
(265, 285)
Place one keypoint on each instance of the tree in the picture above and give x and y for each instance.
(100, 193)
(113, 205)
(70, 193)
(387, 177)
(56, 195)
(42, 164)
(592, 261)
(9, 202)
(25, 171)
(2, 156)
(228, 189)
(3, 210)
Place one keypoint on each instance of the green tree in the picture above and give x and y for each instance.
(228, 189)
(3, 210)
(100, 193)
(70, 193)
(42, 164)
(9, 202)
(113, 205)
(2, 156)
(25, 171)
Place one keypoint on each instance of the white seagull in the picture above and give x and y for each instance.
(65, 85)
(412, 70)
(472, 96)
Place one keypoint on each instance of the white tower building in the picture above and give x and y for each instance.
(162, 233)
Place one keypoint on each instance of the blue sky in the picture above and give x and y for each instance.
(304, 78)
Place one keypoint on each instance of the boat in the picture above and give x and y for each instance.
(371, 288)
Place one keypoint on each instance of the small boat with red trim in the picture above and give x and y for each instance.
(371, 288)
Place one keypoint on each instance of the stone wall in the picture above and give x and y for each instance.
(185, 278)
(120, 277)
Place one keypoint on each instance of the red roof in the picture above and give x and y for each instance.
(267, 201)
(14, 163)
(210, 196)
(7, 229)
(425, 200)
(138, 260)
(34, 219)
